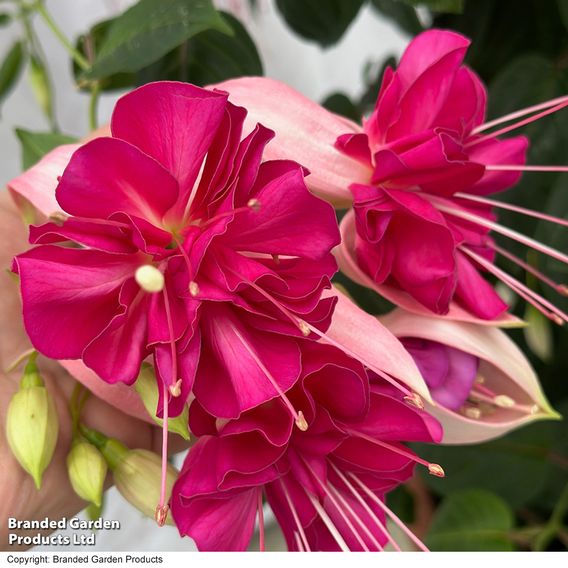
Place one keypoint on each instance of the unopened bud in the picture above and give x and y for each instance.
(138, 479)
(32, 425)
(87, 470)
(147, 388)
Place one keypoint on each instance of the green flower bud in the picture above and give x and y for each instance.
(138, 479)
(87, 470)
(147, 389)
(32, 425)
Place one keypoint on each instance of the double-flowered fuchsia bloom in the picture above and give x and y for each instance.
(172, 239)
(326, 485)
(417, 173)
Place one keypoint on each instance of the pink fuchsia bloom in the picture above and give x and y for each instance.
(326, 485)
(481, 383)
(421, 169)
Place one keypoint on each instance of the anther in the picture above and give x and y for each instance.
(161, 515)
(436, 469)
(194, 288)
(58, 218)
(480, 380)
(472, 412)
(414, 400)
(556, 319)
(149, 278)
(175, 389)
(504, 401)
(254, 204)
(563, 289)
(301, 422)
(276, 260)
(534, 409)
(304, 328)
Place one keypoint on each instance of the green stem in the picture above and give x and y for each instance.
(554, 524)
(93, 105)
(78, 58)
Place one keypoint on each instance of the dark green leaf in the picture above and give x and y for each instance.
(149, 30)
(401, 13)
(515, 466)
(89, 45)
(10, 69)
(340, 103)
(448, 6)
(322, 21)
(36, 144)
(472, 520)
(563, 8)
(5, 19)
(209, 57)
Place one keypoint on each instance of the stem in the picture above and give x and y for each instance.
(93, 105)
(77, 57)
(554, 525)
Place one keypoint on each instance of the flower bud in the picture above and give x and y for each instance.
(147, 389)
(138, 479)
(31, 424)
(87, 470)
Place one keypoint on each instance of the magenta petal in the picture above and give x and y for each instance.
(236, 361)
(291, 221)
(120, 179)
(117, 353)
(173, 122)
(70, 296)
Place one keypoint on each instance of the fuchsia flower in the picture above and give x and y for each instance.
(326, 485)
(417, 173)
(480, 381)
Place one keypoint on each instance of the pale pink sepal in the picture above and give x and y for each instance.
(305, 132)
(122, 397)
(38, 184)
(501, 362)
(345, 255)
(367, 339)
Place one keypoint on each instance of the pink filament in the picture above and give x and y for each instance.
(260, 522)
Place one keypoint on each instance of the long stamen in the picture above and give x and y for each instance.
(295, 516)
(519, 114)
(260, 522)
(328, 523)
(416, 401)
(365, 506)
(524, 168)
(162, 509)
(193, 286)
(516, 125)
(299, 543)
(298, 416)
(433, 468)
(389, 512)
(252, 205)
(356, 518)
(540, 303)
(560, 288)
(337, 506)
(485, 394)
(511, 207)
(510, 233)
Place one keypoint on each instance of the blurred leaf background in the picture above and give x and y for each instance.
(509, 494)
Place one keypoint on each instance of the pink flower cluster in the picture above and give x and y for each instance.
(186, 238)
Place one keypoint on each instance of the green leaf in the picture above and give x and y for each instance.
(149, 30)
(36, 144)
(5, 19)
(447, 6)
(514, 466)
(340, 103)
(472, 520)
(209, 57)
(322, 21)
(563, 8)
(400, 13)
(10, 69)
(41, 87)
